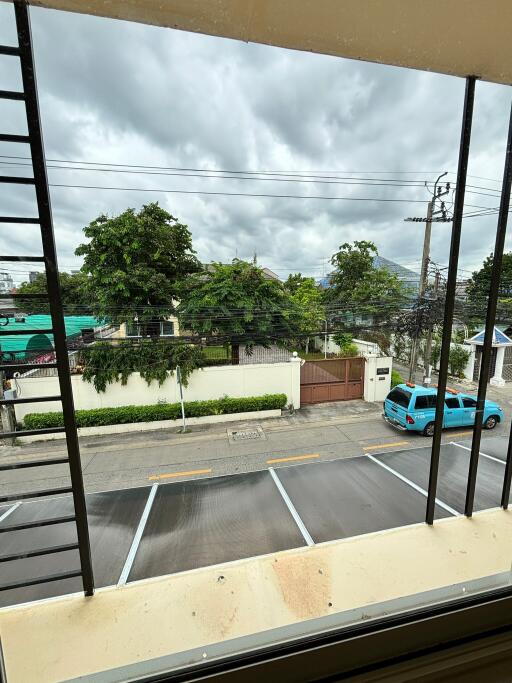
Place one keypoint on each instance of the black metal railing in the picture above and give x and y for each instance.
(28, 96)
(492, 301)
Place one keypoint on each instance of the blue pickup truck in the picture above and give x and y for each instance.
(412, 407)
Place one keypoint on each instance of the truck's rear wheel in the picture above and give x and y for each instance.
(429, 429)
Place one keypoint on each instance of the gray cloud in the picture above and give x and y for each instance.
(124, 93)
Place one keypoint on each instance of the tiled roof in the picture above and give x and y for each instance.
(498, 338)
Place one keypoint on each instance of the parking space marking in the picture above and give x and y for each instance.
(293, 457)
(172, 475)
(385, 445)
(137, 537)
(9, 511)
(413, 485)
(462, 433)
(291, 507)
(491, 457)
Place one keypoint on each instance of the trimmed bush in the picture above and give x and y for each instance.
(396, 378)
(162, 411)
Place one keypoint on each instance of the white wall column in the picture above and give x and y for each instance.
(497, 380)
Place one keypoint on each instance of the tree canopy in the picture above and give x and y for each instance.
(73, 295)
(136, 264)
(308, 298)
(480, 282)
(239, 304)
(357, 287)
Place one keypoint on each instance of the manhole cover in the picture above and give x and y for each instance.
(236, 435)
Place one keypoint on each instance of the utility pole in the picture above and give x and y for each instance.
(6, 412)
(422, 286)
(428, 341)
(431, 212)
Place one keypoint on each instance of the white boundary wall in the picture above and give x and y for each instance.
(209, 383)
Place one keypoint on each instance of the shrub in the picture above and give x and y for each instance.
(458, 360)
(396, 378)
(162, 411)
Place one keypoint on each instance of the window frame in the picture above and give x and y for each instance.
(346, 651)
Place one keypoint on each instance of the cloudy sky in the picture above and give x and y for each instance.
(119, 93)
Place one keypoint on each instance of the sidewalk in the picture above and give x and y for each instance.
(338, 412)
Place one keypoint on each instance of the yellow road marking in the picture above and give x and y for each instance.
(450, 434)
(178, 474)
(385, 445)
(293, 457)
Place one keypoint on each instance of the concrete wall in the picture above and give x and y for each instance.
(377, 386)
(209, 383)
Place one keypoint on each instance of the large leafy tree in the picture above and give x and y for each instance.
(357, 287)
(136, 264)
(237, 303)
(73, 295)
(480, 283)
(308, 298)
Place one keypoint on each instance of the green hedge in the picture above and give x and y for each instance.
(164, 411)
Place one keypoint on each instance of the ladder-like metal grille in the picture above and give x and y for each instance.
(39, 181)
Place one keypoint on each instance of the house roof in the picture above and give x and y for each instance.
(499, 338)
(40, 342)
(460, 37)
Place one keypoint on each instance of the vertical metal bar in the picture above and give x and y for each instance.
(492, 301)
(465, 139)
(53, 286)
(505, 495)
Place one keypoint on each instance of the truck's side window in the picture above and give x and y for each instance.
(452, 402)
(424, 402)
(469, 403)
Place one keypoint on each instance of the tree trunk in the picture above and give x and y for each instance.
(307, 344)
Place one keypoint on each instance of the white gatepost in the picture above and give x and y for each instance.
(497, 379)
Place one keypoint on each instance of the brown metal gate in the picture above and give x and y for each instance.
(337, 379)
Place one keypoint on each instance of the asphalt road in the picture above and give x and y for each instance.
(127, 461)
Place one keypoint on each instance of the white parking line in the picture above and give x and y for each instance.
(491, 457)
(9, 511)
(414, 486)
(291, 507)
(138, 535)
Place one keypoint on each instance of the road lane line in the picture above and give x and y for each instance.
(491, 457)
(171, 475)
(293, 457)
(414, 486)
(291, 507)
(9, 511)
(462, 433)
(137, 537)
(385, 445)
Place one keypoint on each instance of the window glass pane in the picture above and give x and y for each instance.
(469, 403)
(424, 402)
(452, 403)
(401, 397)
(167, 328)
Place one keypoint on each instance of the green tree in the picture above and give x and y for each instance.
(239, 304)
(73, 295)
(136, 264)
(358, 287)
(308, 298)
(480, 282)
